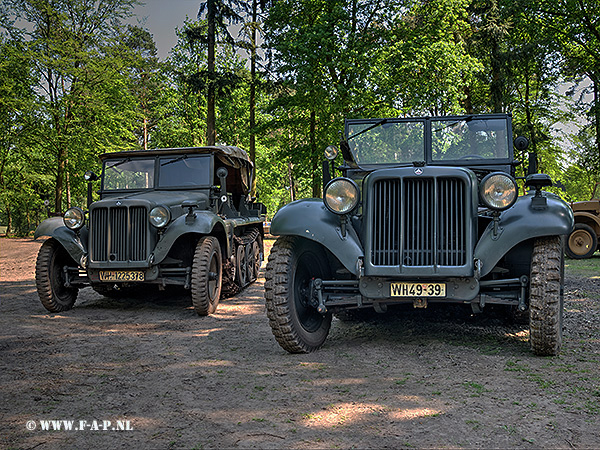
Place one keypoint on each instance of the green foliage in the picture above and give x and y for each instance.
(75, 82)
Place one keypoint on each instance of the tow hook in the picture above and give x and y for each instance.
(524, 282)
(318, 287)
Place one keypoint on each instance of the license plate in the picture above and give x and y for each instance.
(121, 275)
(418, 290)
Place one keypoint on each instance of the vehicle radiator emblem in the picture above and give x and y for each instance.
(418, 171)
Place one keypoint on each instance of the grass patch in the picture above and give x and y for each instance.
(589, 268)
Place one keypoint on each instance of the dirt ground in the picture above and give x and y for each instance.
(434, 378)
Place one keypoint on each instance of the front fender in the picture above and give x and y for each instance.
(310, 219)
(588, 218)
(522, 222)
(74, 243)
(202, 223)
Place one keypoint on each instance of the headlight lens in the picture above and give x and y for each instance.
(74, 218)
(160, 216)
(498, 191)
(341, 195)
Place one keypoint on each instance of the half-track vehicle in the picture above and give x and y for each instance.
(424, 210)
(175, 217)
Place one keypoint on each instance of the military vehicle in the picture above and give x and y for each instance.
(422, 210)
(582, 243)
(175, 217)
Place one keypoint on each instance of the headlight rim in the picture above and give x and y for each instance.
(482, 188)
(355, 202)
(165, 222)
(81, 220)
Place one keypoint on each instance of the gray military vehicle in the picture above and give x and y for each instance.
(167, 217)
(424, 210)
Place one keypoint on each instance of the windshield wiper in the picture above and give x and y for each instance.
(465, 120)
(119, 163)
(179, 158)
(375, 125)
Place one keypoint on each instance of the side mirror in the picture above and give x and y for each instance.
(90, 176)
(222, 173)
(331, 152)
(521, 143)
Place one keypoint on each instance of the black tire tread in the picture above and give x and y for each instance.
(545, 296)
(47, 255)
(277, 277)
(200, 275)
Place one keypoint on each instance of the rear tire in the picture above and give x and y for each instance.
(50, 277)
(207, 275)
(582, 242)
(295, 322)
(546, 296)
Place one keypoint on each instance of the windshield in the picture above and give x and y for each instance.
(173, 171)
(387, 142)
(122, 174)
(469, 138)
(461, 140)
(184, 171)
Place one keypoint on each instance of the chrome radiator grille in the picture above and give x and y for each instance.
(419, 222)
(119, 234)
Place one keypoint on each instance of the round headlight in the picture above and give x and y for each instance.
(341, 195)
(498, 191)
(160, 216)
(74, 218)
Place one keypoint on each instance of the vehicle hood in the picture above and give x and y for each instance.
(153, 198)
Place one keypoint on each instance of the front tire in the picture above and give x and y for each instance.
(207, 275)
(50, 277)
(582, 242)
(546, 296)
(295, 322)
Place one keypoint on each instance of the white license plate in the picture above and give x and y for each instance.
(418, 290)
(121, 275)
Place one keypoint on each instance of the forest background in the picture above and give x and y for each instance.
(77, 79)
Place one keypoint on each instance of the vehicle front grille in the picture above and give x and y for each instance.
(119, 234)
(419, 222)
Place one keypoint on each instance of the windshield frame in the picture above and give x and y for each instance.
(116, 162)
(429, 123)
(160, 163)
(157, 160)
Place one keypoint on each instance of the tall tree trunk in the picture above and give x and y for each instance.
(8, 220)
(145, 132)
(596, 109)
(68, 186)
(496, 84)
(292, 185)
(253, 93)
(210, 98)
(60, 177)
(316, 185)
(530, 126)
